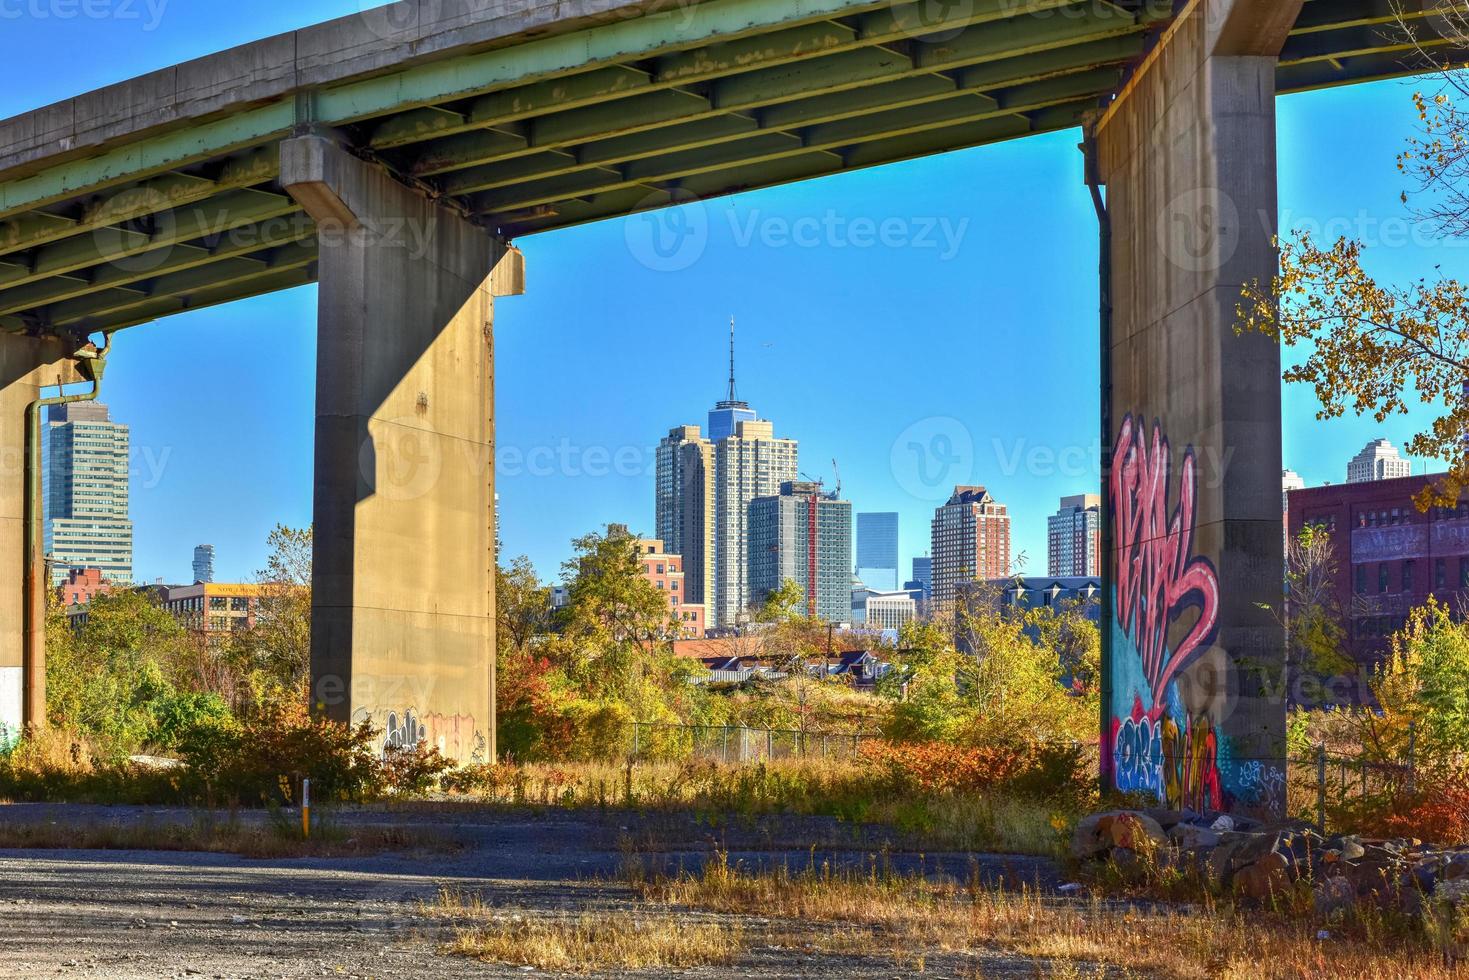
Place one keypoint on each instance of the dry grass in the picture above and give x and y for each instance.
(909, 916)
(585, 943)
(843, 788)
(276, 839)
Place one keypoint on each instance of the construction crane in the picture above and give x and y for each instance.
(837, 493)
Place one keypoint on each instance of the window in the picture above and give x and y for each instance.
(1464, 573)
(1382, 576)
(1440, 575)
(1408, 576)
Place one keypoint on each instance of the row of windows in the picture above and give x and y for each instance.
(1407, 573)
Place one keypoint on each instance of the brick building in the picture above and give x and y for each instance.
(1390, 556)
(80, 585)
(666, 573)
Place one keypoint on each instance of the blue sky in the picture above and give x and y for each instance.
(948, 304)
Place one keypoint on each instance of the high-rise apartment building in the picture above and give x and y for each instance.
(971, 540)
(1074, 537)
(751, 463)
(803, 535)
(685, 507)
(877, 551)
(85, 473)
(704, 486)
(1379, 460)
(204, 564)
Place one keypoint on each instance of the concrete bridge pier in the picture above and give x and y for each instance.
(1194, 691)
(27, 365)
(403, 604)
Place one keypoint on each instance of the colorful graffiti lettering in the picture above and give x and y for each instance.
(1179, 766)
(1159, 747)
(1157, 576)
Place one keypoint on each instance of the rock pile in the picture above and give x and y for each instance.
(1259, 861)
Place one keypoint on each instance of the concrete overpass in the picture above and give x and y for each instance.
(394, 156)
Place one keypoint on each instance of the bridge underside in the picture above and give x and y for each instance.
(544, 132)
(398, 170)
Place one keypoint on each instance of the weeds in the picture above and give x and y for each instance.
(275, 838)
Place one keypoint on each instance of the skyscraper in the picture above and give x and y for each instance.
(204, 564)
(85, 469)
(685, 507)
(1074, 537)
(751, 463)
(1378, 461)
(703, 490)
(971, 540)
(877, 551)
(922, 577)
(803, 535)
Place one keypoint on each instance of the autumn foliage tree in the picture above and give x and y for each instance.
(1375, 348)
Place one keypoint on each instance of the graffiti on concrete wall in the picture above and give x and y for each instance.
(1166, 602)
(12, 706)
(456, 736)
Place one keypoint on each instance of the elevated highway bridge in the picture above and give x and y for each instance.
(474, 123)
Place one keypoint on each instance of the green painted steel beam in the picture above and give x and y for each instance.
(147, 157)
(126, 247)
(1308, 76)
(1352, 41)
(182, 284)
(839, 136)
(754, 49)
(56, 289)
(152, 196)
(677, 140)
(271, 282)
(828, 86)
(736, 180)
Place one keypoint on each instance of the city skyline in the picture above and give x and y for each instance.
(994, 296)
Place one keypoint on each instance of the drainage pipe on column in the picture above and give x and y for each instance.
(1104, 564)
(91, 362)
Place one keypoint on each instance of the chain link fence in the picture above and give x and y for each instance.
(648, 742)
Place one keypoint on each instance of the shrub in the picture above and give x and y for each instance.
(409, 772)
(263, 760)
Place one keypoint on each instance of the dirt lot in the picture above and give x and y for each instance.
(133, 914)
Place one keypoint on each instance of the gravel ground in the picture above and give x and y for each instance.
(132, 914)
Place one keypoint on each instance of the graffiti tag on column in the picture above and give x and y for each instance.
(1158, 577)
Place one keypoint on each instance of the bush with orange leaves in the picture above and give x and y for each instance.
(1036, 770)
(1437, 810)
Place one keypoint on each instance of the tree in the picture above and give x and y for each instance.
(522, 606)
(609, 597)
(1313, 616)
(784, 604)
(276, 652)
(1365, 340)
(122, 681)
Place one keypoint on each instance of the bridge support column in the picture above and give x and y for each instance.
(1194, 691)
(403, 604)
(26, 365)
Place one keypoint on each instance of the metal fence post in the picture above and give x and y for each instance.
(1321, 763)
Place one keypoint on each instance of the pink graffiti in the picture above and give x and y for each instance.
(1157, 578)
